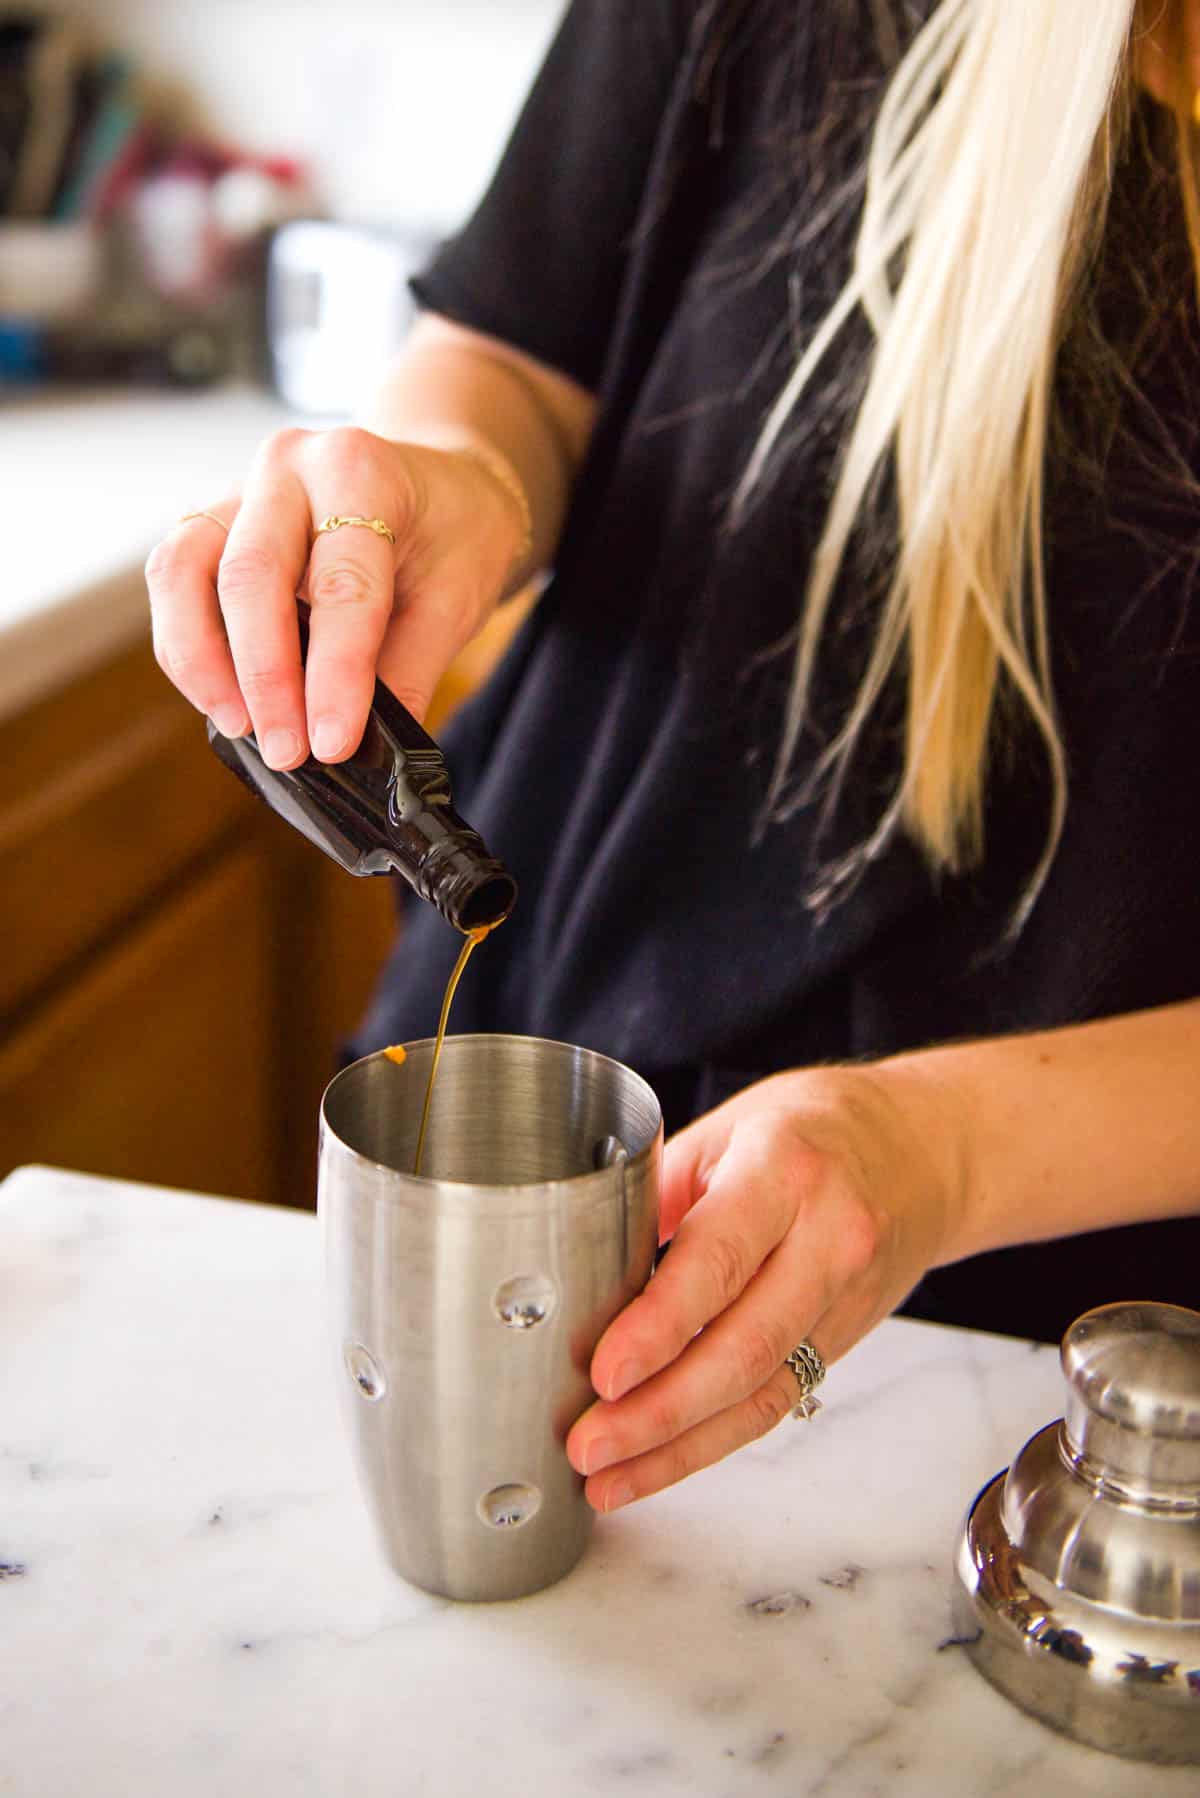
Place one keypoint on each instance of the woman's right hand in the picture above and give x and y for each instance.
(224, 607)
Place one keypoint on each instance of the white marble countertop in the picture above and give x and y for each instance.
(191, 1602)
(89, 480)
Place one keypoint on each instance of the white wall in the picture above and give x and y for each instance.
(398, 106)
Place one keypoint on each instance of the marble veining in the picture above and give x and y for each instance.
(191, 1601)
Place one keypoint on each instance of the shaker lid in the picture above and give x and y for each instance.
(1133, 1391)
(1078, 1573)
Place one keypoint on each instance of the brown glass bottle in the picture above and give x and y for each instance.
(387, 809)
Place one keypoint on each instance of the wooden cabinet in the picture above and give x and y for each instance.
(178, 968)
(157, 1059)
(165, 1011)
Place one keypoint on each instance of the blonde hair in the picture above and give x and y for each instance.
(986, 184)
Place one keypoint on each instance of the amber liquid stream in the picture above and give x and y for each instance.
(474, 937)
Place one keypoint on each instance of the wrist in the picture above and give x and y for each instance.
(503, 475)
(908, 1123)
(934, 1115)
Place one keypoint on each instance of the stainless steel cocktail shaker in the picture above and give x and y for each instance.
(466, 1303)
(1078, 1573)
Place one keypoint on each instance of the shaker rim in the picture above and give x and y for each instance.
(592, 1183)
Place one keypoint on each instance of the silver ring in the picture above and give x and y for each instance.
(809, 1370)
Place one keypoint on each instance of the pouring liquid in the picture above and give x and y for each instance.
(473, 937)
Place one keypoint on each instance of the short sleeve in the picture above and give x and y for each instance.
(540, 263)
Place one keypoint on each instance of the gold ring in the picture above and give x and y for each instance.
(209, 515)
(335, 522)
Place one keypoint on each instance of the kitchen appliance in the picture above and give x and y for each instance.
(466, 1303)
(337, 307)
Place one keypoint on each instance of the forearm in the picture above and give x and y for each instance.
(453, 389)
(1068, 1130)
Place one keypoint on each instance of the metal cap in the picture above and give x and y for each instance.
(1132, 1419)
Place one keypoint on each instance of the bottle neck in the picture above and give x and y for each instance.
(466, 885)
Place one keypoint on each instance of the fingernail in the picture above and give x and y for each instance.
(280, 747)
(618, 1494)
(628, 1375)
(328, 738)
(598, 1454)
(230, 720)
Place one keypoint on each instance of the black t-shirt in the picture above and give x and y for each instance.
(670, 222)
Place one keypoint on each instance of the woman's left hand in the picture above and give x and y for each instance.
(806, 1207)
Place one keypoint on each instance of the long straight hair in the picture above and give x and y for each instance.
(987, 180)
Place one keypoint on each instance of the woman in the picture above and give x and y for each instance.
(898, 904)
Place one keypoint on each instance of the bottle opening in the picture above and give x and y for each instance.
(491, 901)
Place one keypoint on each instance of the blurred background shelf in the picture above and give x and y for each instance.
(399, 107)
